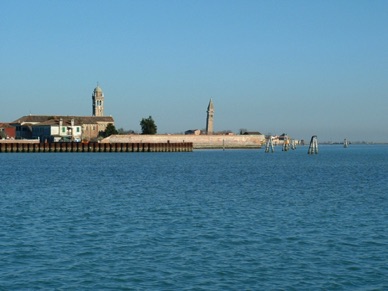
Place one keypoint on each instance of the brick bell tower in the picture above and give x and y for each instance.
(210, 116)
(98, 102)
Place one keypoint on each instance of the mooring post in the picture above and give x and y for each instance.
(269, 145)
(313, 148)
(293, 144)
(286, 144)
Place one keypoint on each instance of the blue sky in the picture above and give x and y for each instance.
(300, 67)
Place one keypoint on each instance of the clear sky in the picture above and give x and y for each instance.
(299, 67)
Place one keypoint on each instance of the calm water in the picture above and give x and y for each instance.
(207, 220)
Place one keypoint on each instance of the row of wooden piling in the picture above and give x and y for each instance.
(94, 147)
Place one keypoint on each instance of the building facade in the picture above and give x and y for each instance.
(61, 128)
(57, 130)
(7, 131)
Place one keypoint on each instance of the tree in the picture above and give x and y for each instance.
(109, 130)
(148, 126)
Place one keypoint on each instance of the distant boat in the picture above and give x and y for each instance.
(346, 143)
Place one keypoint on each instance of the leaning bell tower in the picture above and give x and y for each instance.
(210, 116)
(98, 102)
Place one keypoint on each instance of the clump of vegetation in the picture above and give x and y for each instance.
(148, 126)
(109, 130)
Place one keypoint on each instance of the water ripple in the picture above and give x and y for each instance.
(195, 221)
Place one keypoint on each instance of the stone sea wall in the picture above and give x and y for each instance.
(20, 141)
(199, 141)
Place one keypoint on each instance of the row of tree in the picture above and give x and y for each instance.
(147, 125)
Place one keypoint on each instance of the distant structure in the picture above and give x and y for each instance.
(98, 102)
(193, 132)
(60, 127)
(209, 119)
(63, 128)
(7, 131)
(251, 133)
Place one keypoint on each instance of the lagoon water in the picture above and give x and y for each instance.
(206, 220)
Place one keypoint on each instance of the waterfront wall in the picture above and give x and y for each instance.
(56, 147)
(198, 141)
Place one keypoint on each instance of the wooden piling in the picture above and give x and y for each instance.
(313, 148)
(269, 145)
(64, 147)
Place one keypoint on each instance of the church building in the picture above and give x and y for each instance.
(54, 128)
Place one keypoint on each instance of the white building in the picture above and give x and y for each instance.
(55, 130)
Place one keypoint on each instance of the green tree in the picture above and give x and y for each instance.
(109, 130)
(148, 126)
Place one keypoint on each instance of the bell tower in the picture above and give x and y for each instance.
(98, 102)
(210, 116)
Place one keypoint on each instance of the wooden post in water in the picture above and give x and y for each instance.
(313, 148)
(286, 144)
(293, 144)
(269, 145)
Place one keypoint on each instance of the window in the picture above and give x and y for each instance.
(77, 128)
(63, 129)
